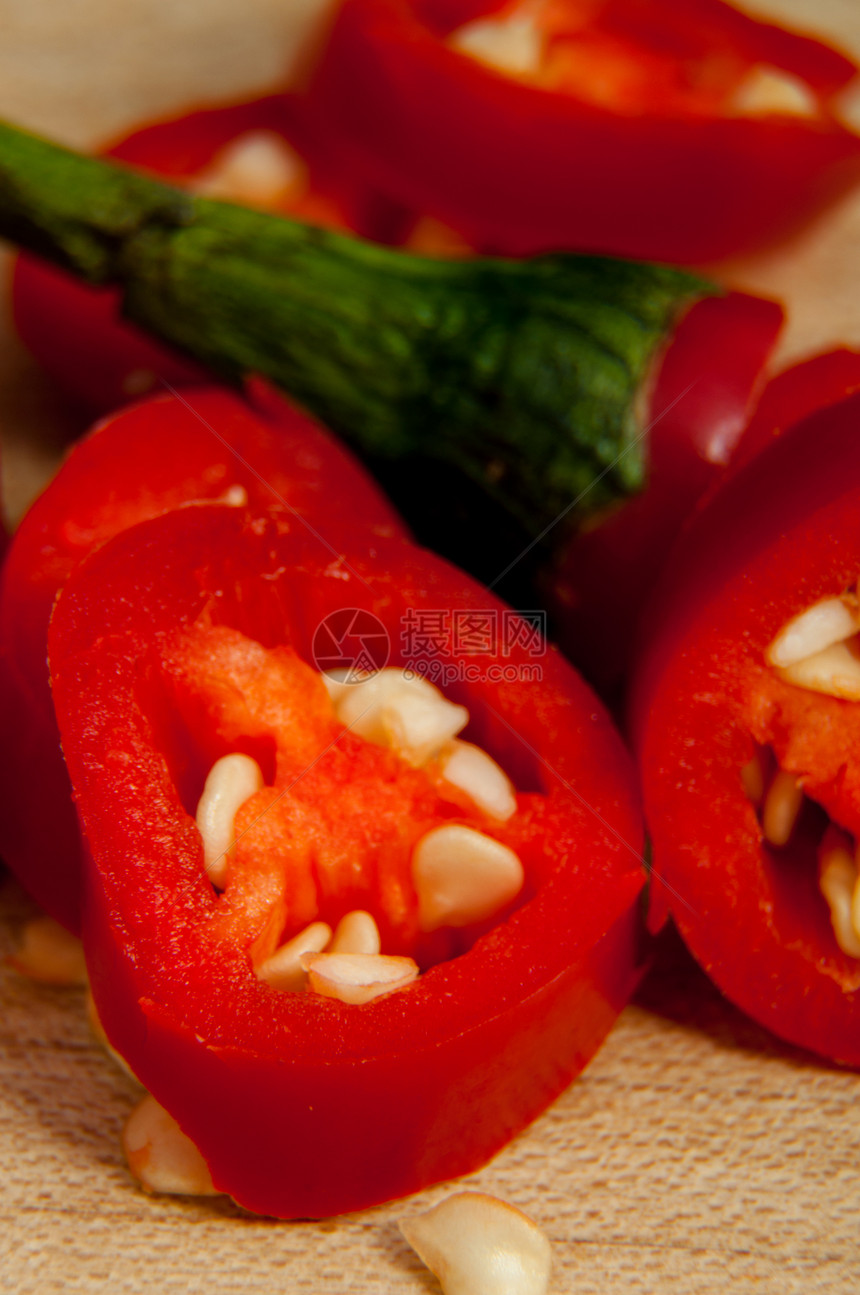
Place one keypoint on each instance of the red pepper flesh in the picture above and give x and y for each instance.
(305, 1107)
(774, 539)
(517, 168)
(152, 457)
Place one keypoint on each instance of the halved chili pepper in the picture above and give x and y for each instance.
(618, 126)
(160, 454)
(302, 1105)
(748, 758)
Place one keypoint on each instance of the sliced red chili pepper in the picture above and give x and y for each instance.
(775, 539)
(305, 1106)
(76, 331)
(697, 411)
(623, 139)
(154, 456)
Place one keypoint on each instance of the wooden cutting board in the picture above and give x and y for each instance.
(696, 1154)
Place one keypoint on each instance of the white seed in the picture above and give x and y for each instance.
(513, 44)
(259, 169)
(403, 712)
(284, 970)
(161, 1157)
(838, 882)
(357, 977)
(462, 876)
(49, 954)
(232, 780)
(765, 90)
(473, 771)
(479, 1245)
(832, 620)
(781, 807)
(356, 932)
(834, 672)
(752, 778)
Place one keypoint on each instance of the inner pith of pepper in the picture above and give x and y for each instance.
(806, 720)
(353, 838)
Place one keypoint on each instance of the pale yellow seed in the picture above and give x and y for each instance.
(770, 90)
(402, 711)
(284, 970)
(357, 977)
(356, 932)
(782, 804)
(829, 621)
(232, 780)
(49, 954)
(476, 773)
(479, 1245)
(513, 44)
(462, 876)
(837, 880)
(835, 672)
(160, 1156)
(258, 169)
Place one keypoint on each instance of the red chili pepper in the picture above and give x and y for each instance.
(305, 1106)
(624, 138)
(76, 332)
(604, 574)
(154, 456)
(776, 538)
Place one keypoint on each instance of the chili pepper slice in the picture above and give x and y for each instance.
(305, 1106)
(698, 407)
(160, 454)
(76, 332)
(624, 131)
(713, 715)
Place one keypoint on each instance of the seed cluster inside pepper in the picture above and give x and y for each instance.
(805, 720)
(353, 837)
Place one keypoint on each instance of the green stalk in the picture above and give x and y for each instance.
(524, 375)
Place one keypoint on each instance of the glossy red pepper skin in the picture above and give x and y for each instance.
(517, 169)
(77, 332)
(332, 1108)
(698, 409)
(151, 457)
(777, 536)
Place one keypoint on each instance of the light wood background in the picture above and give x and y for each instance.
(696, 1154)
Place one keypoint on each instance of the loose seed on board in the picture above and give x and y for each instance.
(357, 977)
(462, 876)
(49, 954)
(782, 805)
(479, 1245)
(232, 780)
(160, 1156)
